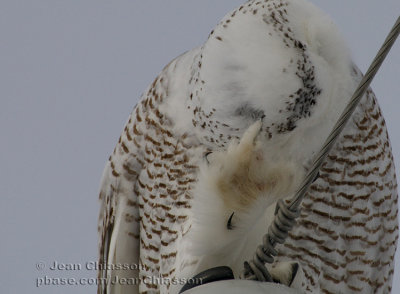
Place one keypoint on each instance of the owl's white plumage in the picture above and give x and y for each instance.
(279, 70)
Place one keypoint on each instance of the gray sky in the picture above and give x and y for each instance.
(70, 74)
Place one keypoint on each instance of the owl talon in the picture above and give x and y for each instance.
(295, 269)
(229, 225)
(316, 177)
(206, 156)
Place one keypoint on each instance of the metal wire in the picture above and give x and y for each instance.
(286, 215)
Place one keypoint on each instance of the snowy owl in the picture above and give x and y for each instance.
(225, 131)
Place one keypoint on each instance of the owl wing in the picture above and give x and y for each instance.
(119, 214)
(347, 234)
(144, 188)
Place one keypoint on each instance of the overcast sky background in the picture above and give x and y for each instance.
(70, 74)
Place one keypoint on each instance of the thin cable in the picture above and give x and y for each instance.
(347, 113)
(286, 214)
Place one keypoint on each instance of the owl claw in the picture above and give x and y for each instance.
(316, 177)
(229, 225)
(206, 156)
(295, 269)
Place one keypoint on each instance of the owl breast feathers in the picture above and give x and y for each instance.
(225, 131)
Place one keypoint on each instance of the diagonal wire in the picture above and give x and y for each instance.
(347, 112)
(286, 214)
